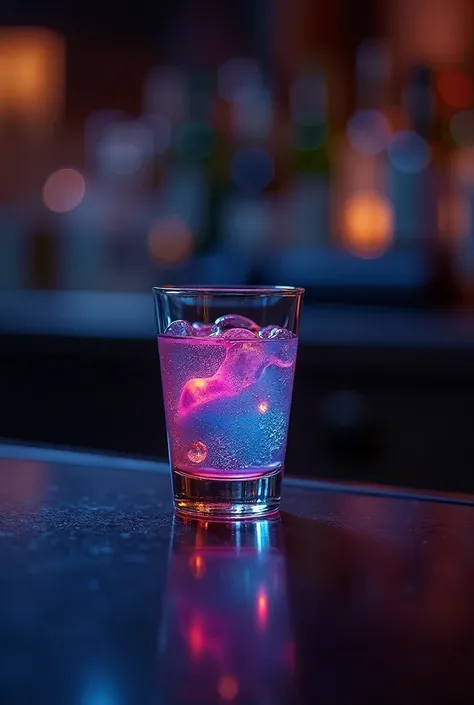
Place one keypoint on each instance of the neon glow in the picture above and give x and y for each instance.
(229, 381)
(196, 638)
(227, 401)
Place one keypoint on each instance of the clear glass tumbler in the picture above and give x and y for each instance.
(227, 360)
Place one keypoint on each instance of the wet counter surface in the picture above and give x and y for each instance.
(351, 596)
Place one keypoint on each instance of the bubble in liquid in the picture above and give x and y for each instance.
(197, 452)
(238, 334)
(235, 320)
(180, 329)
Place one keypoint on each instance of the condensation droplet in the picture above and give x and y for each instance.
(197, 452)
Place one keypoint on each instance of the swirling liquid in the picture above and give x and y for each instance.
(227, 404)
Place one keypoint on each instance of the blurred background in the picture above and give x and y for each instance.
(329, 146)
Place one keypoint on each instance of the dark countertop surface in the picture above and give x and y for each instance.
(355, 595)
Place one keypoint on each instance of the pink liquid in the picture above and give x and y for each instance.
(227, 404)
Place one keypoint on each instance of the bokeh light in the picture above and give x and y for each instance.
(160, 127)
(262, 608)
(263, 407)
(63, 190)
(165, 93)
(197, 565)
(367, 224)
(32, 67)
(124, 146)
(456, 88)
(170, 241)
(308, 97)
(409, 152)
(253, 115)
(368, 131)
(252, 169)
(373, 59)
(228, 687)
(238, 79)
(462, 128)
(196, 637)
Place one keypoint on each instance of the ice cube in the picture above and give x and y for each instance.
(266, 330)
(234, 320)
(180, 329)
(238, 334)
(279, 334)
(202, 329)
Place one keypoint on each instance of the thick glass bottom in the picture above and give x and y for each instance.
(226, 498)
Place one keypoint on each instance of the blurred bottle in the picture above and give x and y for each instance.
(219, 178)
(418, 160)
(165, 107)
(309, 134)
(249, 209)
(362, 211)
(85, 253)
(413, 178)
(103, 239)
(186, 188)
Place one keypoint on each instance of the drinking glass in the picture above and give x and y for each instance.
(227, 360)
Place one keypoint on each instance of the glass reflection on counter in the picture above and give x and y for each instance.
(226, 634)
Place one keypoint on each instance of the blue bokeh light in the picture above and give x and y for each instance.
(409, 152)
(252, 169)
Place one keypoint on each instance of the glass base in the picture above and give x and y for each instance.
(225, 498)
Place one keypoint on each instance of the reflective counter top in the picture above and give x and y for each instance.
(352, 595)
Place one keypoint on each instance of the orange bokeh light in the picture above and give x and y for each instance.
(456, 88)
(197, 565)
(262, 608)
(63, 190)
(367, 224)
(32, 68)
(228, 687)
(263, 407)
(170, 241)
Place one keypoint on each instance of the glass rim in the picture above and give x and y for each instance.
(250, 291)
